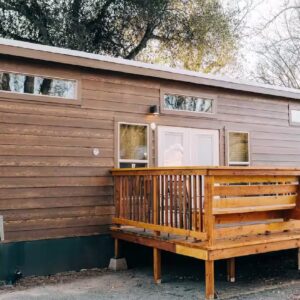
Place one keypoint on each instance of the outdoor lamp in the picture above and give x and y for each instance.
(154, 109)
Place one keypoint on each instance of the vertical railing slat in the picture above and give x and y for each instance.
(176, 201)
(155, 202)
(190, 200)
(171, 186)
(195, 202)
(200, 188)
(166, 199)
(208, 208)
(162, 203)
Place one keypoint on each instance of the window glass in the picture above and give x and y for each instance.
(133, 147)
(295, 116)
(188, 103)
(37, 85)
(238, 148)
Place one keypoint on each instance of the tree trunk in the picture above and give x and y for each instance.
(4, 82)
(29, 85)
(45, 86)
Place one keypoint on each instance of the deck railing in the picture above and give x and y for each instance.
(197, 202)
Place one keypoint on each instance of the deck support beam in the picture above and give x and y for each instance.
(157, 265)
(209, 280)
(231, 269)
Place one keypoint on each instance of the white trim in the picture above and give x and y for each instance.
(134, 161)
(207, 79)
(166, 110)
(75, 98)
(293, 122)
(237, 163)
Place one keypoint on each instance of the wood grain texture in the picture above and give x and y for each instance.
(46, 159)
(51, 183)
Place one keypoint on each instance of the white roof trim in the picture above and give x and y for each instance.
(213, 80)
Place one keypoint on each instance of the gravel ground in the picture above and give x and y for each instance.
(264, 277)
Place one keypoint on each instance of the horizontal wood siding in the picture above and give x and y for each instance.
(51, 184)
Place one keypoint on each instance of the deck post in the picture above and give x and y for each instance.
(231, 269)
(157, 265)
(117, 249)
(155, 203)
(117, 263)
(209, 280)
(208, 208)
(299, 259)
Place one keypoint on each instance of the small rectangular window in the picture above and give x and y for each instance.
(37, 85)
(295, 116)
(238, 148)
(133, 145)
(188, 103)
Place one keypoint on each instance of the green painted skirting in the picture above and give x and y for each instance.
(51, 256)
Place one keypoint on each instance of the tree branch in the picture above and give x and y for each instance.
(279, 14)
(142, 44)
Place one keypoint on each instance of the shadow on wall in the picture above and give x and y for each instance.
(46, 257)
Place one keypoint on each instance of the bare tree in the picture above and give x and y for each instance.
(279, 62)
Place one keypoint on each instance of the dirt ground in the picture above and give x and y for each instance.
(258, 277)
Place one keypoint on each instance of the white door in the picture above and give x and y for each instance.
(178, 146)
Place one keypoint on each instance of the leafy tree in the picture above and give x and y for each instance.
(196, 34)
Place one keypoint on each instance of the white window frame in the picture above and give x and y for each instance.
(238, 163)
(41, 96)
(184, 93)
(133, 161)
(293, 123)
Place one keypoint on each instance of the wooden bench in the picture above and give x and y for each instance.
(208, 213)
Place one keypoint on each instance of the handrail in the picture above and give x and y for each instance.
(211, 170)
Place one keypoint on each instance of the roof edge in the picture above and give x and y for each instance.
(97, 61)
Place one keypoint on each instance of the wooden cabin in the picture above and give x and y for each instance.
(67, 118)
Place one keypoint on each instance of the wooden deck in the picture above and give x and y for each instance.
(208, 213)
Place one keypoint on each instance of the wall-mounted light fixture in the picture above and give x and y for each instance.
(154, 110)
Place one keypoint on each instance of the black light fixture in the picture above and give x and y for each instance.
(154, 110)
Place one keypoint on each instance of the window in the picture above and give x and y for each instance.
(173, 102)
(133, 145)
(37, 85)
(295, 116)
(238, 148)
